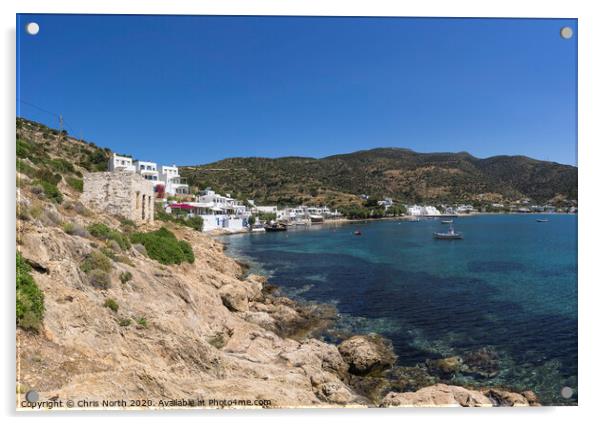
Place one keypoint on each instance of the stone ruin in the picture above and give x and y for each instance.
(121, 193)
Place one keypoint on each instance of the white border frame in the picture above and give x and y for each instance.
(590, 70)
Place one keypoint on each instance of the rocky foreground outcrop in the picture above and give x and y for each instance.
(199, 331)
(442, 395)
(367, 354)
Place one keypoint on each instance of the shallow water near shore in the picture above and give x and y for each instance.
(510, 286)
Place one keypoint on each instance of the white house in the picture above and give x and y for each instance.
(148, 170)
(266, 209)
(174, 184)
(419, 210)
(218, 212)
(121, 163)
(165, 179)
(464, 209)
(386, 202)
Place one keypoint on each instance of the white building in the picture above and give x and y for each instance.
(386, 203)
(217, 211)
(303, 213)
(121, 163)
(148, 170)
(420, 210)
(174, 184)
(165, 179)
(464, 209)
(266, 209)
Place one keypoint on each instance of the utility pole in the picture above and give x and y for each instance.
(60, 128)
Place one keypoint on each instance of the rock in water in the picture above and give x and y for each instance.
(446, 366)
(367, 354)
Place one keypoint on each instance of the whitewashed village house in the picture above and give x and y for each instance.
(386, 203)
(217, 211)
(165, 179)
(420, 210)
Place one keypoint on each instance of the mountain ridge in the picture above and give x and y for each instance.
(399, 173)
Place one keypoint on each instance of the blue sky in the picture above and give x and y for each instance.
(193, 89)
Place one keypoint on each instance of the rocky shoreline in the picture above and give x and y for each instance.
(207, 330)
(371, 370)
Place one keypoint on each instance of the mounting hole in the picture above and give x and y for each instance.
(32, 28)
(32, 396)
(566, 392)
(566, 33)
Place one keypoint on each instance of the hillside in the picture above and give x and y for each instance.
(103, 315)
(99, 317)
(393, 172)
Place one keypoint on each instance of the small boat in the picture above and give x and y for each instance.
(315, 218)
(358, 233)
(449, 235)
(542, 220)
(275, 228)
(447, 221)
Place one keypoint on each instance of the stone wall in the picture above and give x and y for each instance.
(120, 193)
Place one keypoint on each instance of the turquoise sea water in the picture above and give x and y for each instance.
(509, 286)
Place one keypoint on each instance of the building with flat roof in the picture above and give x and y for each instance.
(165, 179)
(126, 194)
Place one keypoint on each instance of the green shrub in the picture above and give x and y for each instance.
(127, 222)
(50, 190)
(61, 165)
(75, 229)
(108, 253)
(124, 259)
(124, 322)
(111, 304)
(195, 223)
(23, 148)
(187, 251)
(125, 277)
(96, 160)
(68, 227)
(24, 168)
(36, 211)
(77, 184)
(99, 279)
(96, 261)
(121, 239)
(162, 245)
(99, 230)
(30, 299)
(48, 176)
(102, 231)
(142, 322)
(22, 211)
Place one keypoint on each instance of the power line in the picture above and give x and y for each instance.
(62, 121)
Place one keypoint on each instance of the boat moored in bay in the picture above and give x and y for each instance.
(451, 234)
(277, 227)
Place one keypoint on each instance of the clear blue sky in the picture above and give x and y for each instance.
(192, 89)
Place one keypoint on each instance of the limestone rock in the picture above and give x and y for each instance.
(330, 389)
(446, 366)
(440, 395)
(501, 397)
(367, 353)
(234, 297)
(189, 345)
